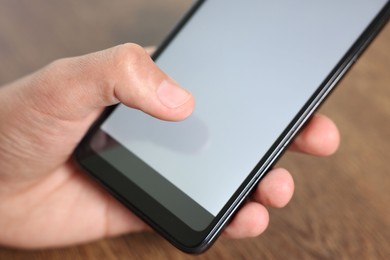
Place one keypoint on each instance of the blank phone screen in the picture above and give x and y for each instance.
(251, 65)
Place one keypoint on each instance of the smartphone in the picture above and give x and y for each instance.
(258, 70)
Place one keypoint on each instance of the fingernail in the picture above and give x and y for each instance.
(172, 95)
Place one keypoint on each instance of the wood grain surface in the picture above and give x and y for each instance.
(341, 207)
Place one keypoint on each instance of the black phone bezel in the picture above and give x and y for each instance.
(168, 225)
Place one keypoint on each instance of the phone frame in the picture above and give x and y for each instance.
(166, 223)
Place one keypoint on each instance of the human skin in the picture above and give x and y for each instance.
(46, 201)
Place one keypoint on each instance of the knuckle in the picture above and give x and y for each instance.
(45, 76)
(130, 57)
(60, 64)
(54, 66)
(60, 68)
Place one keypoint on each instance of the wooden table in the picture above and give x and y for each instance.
(341, 207)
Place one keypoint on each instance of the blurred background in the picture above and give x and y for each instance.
(341, 208)
(34, 33)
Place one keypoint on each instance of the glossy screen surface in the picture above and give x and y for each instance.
(251, 66)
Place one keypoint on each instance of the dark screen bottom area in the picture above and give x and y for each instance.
(155, 185)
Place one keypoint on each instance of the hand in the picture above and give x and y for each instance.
(45, 201)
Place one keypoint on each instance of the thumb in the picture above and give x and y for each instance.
(44, 115)
(72, 88)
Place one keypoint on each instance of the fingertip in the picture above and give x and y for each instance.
(141, 84)
(331, 140)
(250, 221)
(179, 102)
(276, 189)
(320, 137)
(166, 110)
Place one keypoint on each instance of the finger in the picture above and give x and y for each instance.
(275, 189)
(250, 221)
(73, 88)
(45, 114)
(150, 50)
(320, 137)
